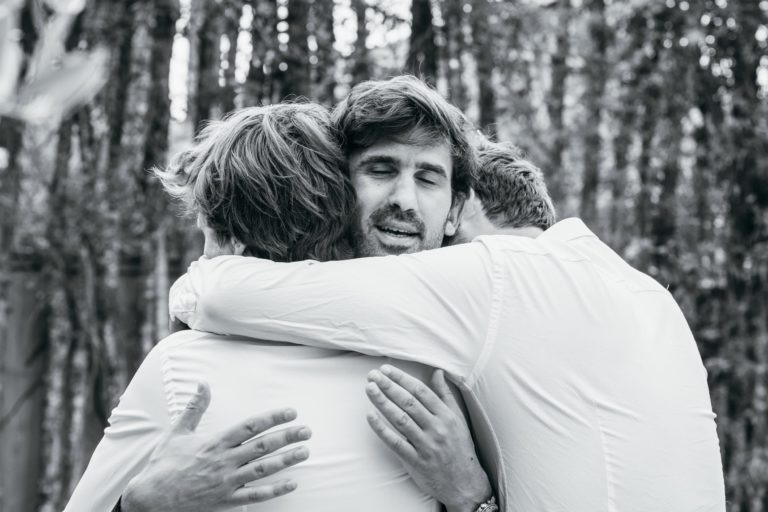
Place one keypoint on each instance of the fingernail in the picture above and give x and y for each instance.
(305, 433)
(371, 388)
(386, 369)
(301, 453)
(289, 414)
(375, 375)
(290, 486)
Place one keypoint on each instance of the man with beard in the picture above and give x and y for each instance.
(580, 373)
(182, 474)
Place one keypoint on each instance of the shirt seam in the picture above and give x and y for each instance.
(166, 372)
(609, 483)
(490, 336)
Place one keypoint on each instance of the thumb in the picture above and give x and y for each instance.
(193, 412)
(440, 385)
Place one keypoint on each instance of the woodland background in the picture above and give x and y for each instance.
(648, 117)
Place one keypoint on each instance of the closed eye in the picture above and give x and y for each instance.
(380, 171)
(427, 181)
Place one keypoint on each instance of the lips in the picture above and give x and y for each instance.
(397, 230)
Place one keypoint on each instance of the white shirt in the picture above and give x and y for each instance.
(581, 375)
(349, 468)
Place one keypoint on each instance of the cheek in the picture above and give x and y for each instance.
(435, 209)
(370, 196)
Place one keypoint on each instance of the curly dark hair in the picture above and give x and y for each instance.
(270, 177)
(397, 109)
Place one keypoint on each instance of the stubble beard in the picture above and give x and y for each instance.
(366, 244)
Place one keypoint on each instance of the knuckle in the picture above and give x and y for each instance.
(402, 420)
(260, 447)
(259, 471)
(257, 495)
(420, 392)
(410, 403)
(252, 426)
(440, 434)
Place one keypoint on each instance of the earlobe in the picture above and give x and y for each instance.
(450, 228)
(238, 247)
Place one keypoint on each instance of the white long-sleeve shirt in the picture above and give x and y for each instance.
(580, 373)
(348, 468)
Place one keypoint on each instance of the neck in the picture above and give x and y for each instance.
(527, 231)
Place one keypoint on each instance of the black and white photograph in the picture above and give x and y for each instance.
(384, 255)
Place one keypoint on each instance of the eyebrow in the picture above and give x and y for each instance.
(388, 159)
(379, 159)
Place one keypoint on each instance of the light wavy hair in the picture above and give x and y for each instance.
(512, 189)
(273, 178)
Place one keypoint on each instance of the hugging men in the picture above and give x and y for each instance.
(582, 380)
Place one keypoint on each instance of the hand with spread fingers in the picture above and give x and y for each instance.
(189, 472)
(427, 430)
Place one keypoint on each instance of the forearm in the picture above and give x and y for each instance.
(422, 307)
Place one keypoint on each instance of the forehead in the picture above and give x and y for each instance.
(405, 154)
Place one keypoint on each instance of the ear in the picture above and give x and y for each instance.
(455, 214)
(238, 247)
(470, 206)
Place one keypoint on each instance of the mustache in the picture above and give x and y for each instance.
(392, 212)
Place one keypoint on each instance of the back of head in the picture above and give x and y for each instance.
(270, 177)
(512, 189)
(405, 109)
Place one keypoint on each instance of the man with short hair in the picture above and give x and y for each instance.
(263, 182)
(509, 192)
(410, 161)
(581, 376)
(407, 203)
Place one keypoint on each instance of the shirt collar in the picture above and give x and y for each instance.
(568, 229)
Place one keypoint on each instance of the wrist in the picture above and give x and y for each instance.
(472, 499)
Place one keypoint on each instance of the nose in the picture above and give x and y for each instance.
(403, 193)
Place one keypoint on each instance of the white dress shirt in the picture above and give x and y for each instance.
(581, 375)
(348, 469)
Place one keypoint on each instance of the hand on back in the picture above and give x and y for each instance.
(190, 472)
(428, 432)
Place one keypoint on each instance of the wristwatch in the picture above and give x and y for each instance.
(488, 506)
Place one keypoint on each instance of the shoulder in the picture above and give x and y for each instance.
(181, 340)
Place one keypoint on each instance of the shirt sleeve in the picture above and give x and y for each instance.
(135, 427)
(434, 307)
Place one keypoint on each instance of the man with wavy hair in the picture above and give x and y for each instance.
(266, 182)
(581, 375)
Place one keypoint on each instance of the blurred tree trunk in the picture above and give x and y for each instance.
(597, 75)
(204, 20)
(10, 188)
(259, 83)
(556, 103)
(103, 153)
(422, 50)
(324, 67)
(455, 42)
(744, 179)
(483, 51)
(622, 142)
(60, 334)
(297, 77)
(230, 27)
(360, 67)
